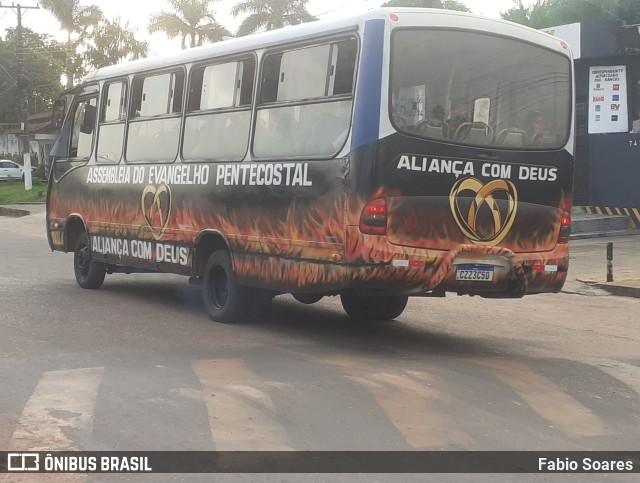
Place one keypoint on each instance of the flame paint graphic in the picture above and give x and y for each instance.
(294, 249)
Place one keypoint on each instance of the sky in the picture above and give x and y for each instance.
(137, 13)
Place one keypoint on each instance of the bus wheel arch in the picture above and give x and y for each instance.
(206, 244)
(73, 228)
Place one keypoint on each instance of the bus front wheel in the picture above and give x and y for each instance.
(382, 307)
(89, 273)
(225, 300)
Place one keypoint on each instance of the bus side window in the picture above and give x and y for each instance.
(306, 99)
(270, 78)
(112, 122)
(345, 66)
(154, 128)
(219, 111)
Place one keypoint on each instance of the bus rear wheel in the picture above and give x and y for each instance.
(382, 307)
(307, 298)
(225, 300)
(89, 273)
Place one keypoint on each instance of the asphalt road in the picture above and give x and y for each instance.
(137, 365)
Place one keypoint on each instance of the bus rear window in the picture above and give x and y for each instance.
(479, 89)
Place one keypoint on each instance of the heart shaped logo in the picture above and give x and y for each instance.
(501, 199)
(156, 209)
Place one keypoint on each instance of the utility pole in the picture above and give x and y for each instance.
(22, 92)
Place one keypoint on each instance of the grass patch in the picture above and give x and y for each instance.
(12, 192)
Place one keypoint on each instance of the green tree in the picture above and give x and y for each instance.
(548, 13)
(190, 19)
(78, 22)
(455, 5)
(43, 66)
(270, 15)
(444, 4)
(111, 43)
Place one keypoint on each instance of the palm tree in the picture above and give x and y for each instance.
(191, 19)
(74, 19)
(112, 42)
(269, 15)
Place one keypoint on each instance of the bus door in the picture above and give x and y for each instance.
(70, 153)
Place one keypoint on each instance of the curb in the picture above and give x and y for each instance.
(602, 234)
(623, 288)
(13, 212)
(618, 288)
(632, 213)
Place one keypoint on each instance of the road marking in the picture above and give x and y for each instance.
(546, 398)
(58, 414)
(418, 411)
(60, 408)
(416, 408)
(242, 416)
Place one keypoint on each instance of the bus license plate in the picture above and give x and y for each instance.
(474, 273)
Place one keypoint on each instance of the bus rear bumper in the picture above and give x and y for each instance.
(465, 269)
(495, 278)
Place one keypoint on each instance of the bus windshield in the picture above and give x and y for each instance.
(479, 89)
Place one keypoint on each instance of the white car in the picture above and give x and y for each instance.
(11, 170)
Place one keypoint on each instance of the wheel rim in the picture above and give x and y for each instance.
(83, 261)
(218, 287)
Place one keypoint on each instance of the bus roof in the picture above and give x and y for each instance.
(308, 31)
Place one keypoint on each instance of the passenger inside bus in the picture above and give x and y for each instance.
(458, 115)
(280, 127)
(276, 134)
(534, 123)
(536, 130)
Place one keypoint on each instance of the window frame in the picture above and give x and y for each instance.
(125, 121)
(139, 119)
(220, 110)
(154, 73)
(220, 61)
(302, 45)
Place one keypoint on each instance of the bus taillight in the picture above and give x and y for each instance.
(373, 220)
(565, 227)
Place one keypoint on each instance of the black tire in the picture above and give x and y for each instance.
(395, 307)
(307, 298)
(383, 307)
(259, 305)
(89, 273)
(224, 299)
